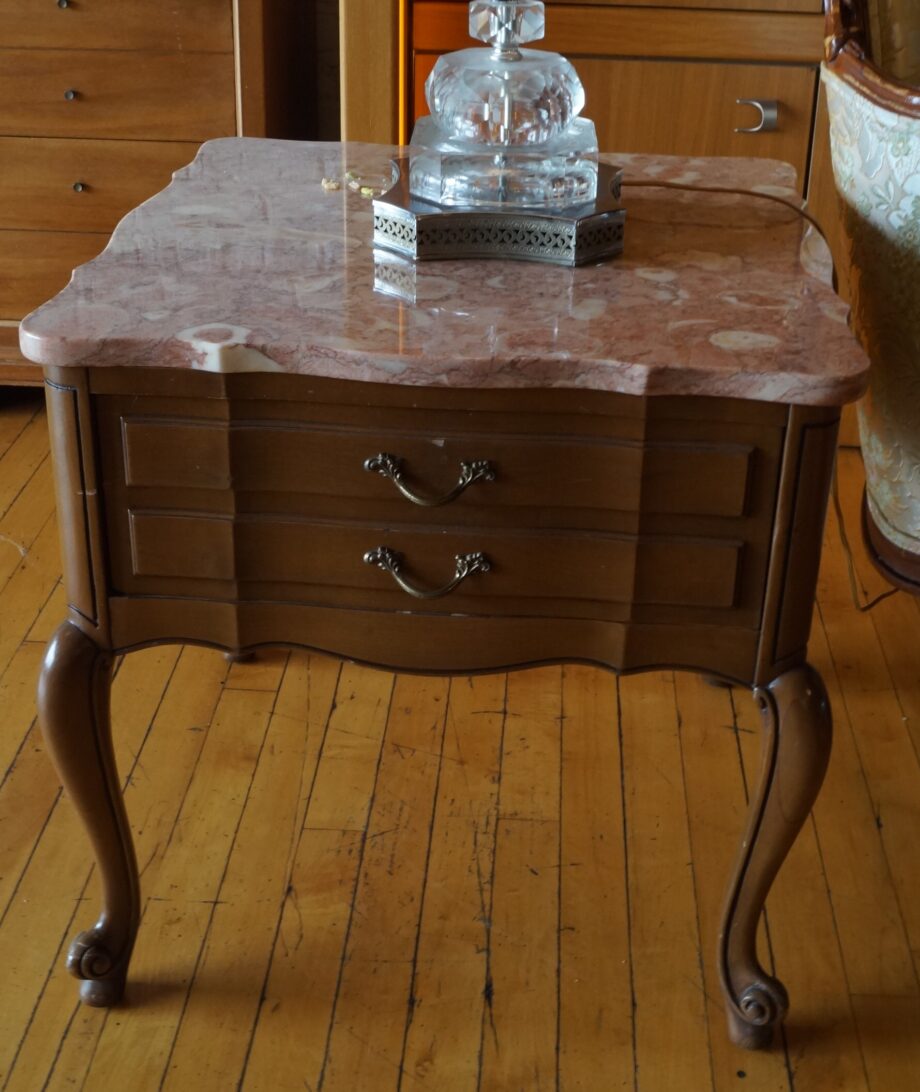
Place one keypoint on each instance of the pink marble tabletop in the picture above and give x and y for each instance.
(246, 262)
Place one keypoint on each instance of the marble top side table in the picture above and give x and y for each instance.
(264, 433)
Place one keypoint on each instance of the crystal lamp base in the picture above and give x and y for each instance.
(587, 232)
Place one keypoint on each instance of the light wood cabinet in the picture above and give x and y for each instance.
(101, 102)
(666, 80)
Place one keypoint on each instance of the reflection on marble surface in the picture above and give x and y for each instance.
(246, 263)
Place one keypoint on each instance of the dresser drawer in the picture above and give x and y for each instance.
(34, 265)
(538, 473)
(270, 558)
(139, 95)
(205, 25)
(51, 184)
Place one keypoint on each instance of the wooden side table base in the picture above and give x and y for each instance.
(797, 745)
(73, 706)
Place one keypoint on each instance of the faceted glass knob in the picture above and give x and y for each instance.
(507, 25)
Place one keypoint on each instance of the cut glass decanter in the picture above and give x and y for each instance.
(504, 128)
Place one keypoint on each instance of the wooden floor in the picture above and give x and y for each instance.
(358, 882)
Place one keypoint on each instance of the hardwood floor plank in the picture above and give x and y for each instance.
(293, 1026)
(519, 1028)
(531, 746)
(373, 1000)
(595, 996)
(180, 903)
(264, 672)
(872, 934)
(442, 1040)
(671, 1045)
(806, 949)
(717, 809)
(49, 619)
(28, 589)
(885, 749)
(30, 787)
(519, 1040)
(17, 408)
(890, 1024)
(224, 999)
(21, 459)
(24, 519)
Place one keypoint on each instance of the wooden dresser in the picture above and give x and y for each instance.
(101, 102)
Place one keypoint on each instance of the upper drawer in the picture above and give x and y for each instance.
(626, 30)
(49, 184)
(144, 96)
(205, 25)
(702, 478)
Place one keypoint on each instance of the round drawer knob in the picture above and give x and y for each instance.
(70, 94)
(79, 187)
(63, 3)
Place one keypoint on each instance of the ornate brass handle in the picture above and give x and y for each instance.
(391, 562)
(390, 466)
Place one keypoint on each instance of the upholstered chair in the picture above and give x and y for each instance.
(875, 143)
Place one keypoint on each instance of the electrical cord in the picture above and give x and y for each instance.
(797, 209)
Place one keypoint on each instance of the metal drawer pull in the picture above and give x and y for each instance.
(390, 466)
(769, 115)
(70, 94)
(79, 187)
(391, 562)
(63, 3)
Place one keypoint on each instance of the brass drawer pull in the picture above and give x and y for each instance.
(390, 466)
(391, 562)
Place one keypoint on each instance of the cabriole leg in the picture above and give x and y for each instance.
(73, 707)
(797, 744)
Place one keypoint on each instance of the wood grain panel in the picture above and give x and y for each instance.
(34, 265)
(38, 175)
(143, 96)
(582, 30)
(205, 25)
(369, 44)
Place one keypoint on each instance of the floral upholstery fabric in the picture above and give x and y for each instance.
(876, 156)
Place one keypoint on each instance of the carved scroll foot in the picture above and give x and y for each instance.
(73, 706)
(797, 743)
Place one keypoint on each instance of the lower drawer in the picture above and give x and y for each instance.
(51, 184)
(269, 558)
(34, 265)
